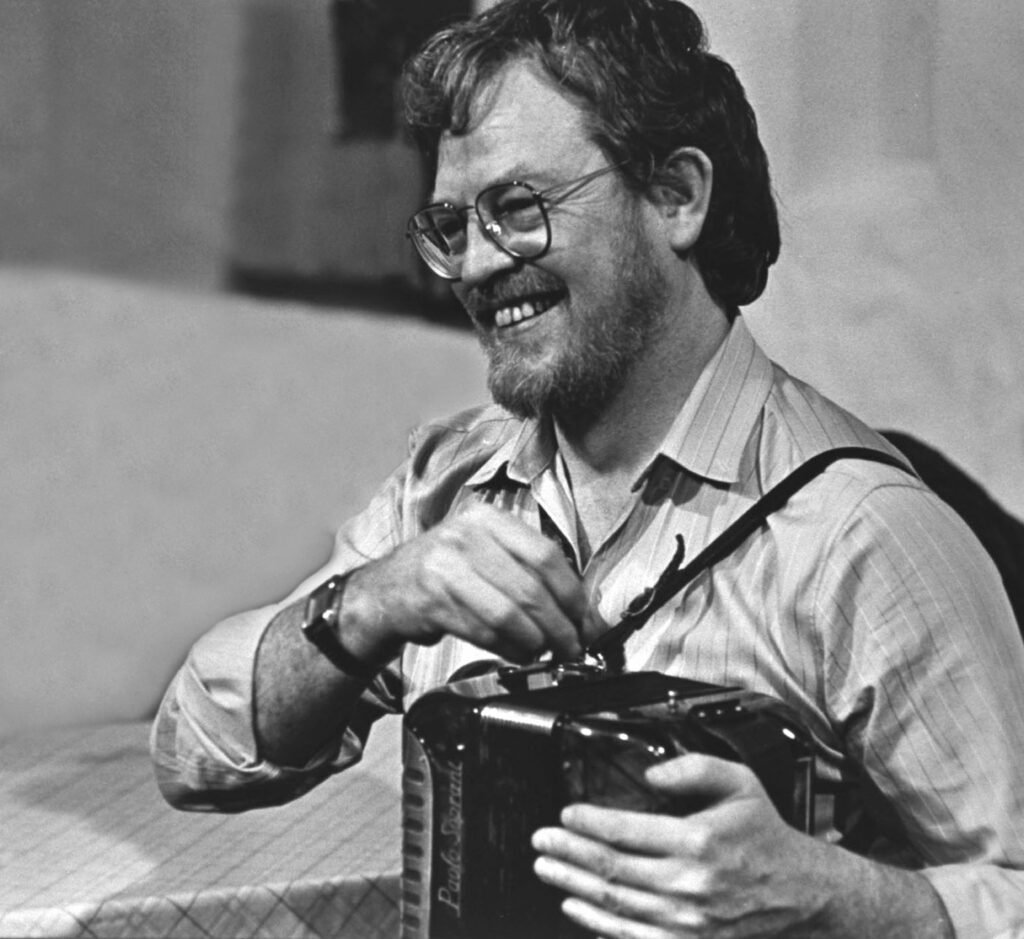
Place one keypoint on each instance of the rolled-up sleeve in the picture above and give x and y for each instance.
(983, 901)
(202, 741)
(203, 738)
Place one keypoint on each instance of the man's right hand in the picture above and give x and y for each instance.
(482, 575)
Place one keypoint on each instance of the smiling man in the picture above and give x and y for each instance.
(602, 207)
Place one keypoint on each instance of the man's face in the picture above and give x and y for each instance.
(561, 332)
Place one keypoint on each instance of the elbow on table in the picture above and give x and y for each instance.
(189, 790)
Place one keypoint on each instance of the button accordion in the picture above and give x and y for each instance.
(489, 759)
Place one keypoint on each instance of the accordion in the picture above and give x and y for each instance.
(488, 760)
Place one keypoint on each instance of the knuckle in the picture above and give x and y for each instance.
(611, 900)
(486, 637)
(434, 569)
(608, 867)
(690, 920)
(453, 536)
(693, 884)
(505, 611)
(701, 841)
(531, 606)
(549, 554)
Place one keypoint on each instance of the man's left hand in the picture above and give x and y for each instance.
(732, 869)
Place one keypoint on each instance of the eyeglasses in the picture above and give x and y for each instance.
(513, 216)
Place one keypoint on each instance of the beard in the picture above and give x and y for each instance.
(600, 347)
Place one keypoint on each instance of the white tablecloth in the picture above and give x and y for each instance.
(89, 848)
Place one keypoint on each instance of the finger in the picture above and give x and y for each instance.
(518, 599)
(532, 572)
(482, 614)
(614, 903)
(610, 926)
(647, 833)
(544, 557)
(531, 597)
(600, 859)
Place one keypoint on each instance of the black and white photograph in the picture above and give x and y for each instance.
(512, 469)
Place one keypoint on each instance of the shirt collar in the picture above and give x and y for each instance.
(522, 458)
(710, 434)
(707, 438)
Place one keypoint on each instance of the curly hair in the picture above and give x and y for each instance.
(648, 85)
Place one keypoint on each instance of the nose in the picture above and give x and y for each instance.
(483, 258)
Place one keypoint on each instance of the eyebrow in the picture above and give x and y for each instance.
(518, 171)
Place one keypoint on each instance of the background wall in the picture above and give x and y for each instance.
(895, 132)
(173, 456)
(117, 134)
(157, 429)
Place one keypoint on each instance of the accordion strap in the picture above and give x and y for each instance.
(610, 645)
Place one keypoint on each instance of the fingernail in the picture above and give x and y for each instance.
(568, 815)
(542, 868)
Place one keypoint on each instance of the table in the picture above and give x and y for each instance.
(88, 847)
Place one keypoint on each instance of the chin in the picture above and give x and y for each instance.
(521, 398)
(573, 403)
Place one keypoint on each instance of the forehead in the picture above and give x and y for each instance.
(522, 125)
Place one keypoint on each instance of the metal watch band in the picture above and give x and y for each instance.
(319, 627)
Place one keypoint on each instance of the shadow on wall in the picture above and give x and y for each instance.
(201, 144)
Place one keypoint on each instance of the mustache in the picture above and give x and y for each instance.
(507, 288)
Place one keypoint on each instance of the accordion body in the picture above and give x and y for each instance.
(488, 760)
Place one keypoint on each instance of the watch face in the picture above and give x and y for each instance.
(320, 606)
(319, 627)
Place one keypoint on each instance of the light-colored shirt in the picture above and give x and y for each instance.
(865, 603)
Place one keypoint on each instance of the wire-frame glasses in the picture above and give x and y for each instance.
(512, 215)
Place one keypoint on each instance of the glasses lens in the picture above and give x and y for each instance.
(439, 233)
(514, 217)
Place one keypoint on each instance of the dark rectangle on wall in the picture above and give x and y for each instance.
(325, 177)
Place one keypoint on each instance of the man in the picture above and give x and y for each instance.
(602, 207)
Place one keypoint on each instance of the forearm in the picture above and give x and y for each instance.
(203, 740)
(301, 700)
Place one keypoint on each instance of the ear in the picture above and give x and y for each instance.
(682, 194)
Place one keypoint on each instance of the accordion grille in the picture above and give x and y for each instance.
(417, 810)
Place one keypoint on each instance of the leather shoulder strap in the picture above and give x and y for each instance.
(610, 644)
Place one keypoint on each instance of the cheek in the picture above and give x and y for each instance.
(460, 293)
(593, 260)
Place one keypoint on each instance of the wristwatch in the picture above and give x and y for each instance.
(320, 627)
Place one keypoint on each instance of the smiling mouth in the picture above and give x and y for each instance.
(523, 310)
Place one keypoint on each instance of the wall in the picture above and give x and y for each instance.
(896, 133)
(180, 141)
(116, 134)
(174, 456)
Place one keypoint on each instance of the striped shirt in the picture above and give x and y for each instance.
(865, 603)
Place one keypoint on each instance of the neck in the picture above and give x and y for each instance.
(616, 444)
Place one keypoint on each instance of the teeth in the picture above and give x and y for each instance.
(509, 315)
